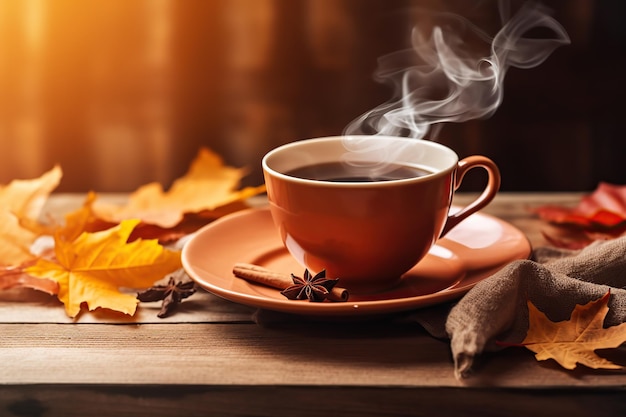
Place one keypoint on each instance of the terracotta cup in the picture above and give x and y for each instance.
(368, 233)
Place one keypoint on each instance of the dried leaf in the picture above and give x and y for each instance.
(15, 240)
(21, 202)
(604, 207)
(566, 237)
(92, 268)
(82, 220)
(26, 198)
(15, 277)
(574, 341)
(190, 223)
(208, 186)
(598, 216)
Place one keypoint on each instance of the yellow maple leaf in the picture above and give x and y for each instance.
(208, 185)
(574, 341)
(21, 202)
(92, 268)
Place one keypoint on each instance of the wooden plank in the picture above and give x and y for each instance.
(383, 353)
(303, 401)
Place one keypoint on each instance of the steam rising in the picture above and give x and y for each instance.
(443, 79)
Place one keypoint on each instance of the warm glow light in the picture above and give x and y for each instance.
(130, 106)
(86, 85)
(33, 19)
(125, 92)
(22, 130)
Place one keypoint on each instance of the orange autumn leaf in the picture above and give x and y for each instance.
(15, 240)
(95, 266)
(574, 341)
(15, 277)
(208, 185)
(21, 202)
(27, 197)
(82, 220)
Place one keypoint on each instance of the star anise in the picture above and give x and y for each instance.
(314, 288)
(171, 294)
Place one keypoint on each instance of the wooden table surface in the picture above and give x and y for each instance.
(215, 360)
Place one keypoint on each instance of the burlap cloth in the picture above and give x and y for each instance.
(554, 280)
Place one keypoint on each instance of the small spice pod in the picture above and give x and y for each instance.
(171, 294)
(314, 288)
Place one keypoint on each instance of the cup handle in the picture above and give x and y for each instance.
(493, 184)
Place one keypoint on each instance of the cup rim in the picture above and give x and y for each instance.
(364, 184)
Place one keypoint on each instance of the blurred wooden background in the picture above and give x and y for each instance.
(123, 92)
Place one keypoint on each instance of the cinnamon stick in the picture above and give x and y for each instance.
(278, 280)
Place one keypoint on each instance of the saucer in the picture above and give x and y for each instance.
(469, 253)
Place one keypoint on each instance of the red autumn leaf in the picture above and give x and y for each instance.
(600, 215)
(607, 197)
(605, 208)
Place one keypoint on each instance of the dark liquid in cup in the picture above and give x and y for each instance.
(340, 172)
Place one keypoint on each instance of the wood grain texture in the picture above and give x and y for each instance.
(382, 353)
(222, 363)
